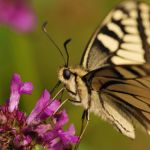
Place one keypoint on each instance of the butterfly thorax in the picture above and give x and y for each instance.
(72, 78)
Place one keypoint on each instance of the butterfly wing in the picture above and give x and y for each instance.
(128, 89)
(123, 38)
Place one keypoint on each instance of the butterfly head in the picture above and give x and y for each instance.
(69, 75)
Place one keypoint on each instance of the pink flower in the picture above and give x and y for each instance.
(19, 131)
(17, 14)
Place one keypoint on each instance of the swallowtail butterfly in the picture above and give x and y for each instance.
(113, 78)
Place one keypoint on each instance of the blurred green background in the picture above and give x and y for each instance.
(34, 57)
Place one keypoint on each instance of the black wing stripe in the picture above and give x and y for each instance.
(144, 82)
(135, 83)
(122, 27)
(145, 95)
(115, 120)
(130, 100)
(109, 83)
(101, 46)
(131, 95)
(143, 36)
(123, 10)
(113, 82)
(117, 73)
(144, 100)
(138, 115)
(135, 112)
(134, 72)
(127, 72)
(140, 70)
(139, 81)
(110, 33)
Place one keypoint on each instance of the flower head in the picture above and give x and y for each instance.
(43, 126)
(17, 14)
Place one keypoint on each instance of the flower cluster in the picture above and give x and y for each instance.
(43, 126)
(17, 14)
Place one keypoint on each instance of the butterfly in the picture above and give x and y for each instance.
(113, 78)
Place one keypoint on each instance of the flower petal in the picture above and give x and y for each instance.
(42, 129)
(69, 136)
(39, 107)
(15, 96)
(61, 118)
(17, 88)
(13, 101)
(15, 83)
(26, 88)
(57, 144)
(49, 109)
(50, 136)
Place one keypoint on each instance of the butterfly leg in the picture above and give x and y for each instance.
(55, 87)
(61, 95)
(60, 106)
(85, 121)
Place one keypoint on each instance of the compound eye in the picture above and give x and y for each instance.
(66, 74)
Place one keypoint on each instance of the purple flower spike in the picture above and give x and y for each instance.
(17, 14)
(44, 126)
(18, 88)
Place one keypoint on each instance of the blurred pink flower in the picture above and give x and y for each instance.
(17, 14)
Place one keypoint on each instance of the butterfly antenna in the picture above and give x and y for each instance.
(53, 42)
(65, 46)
